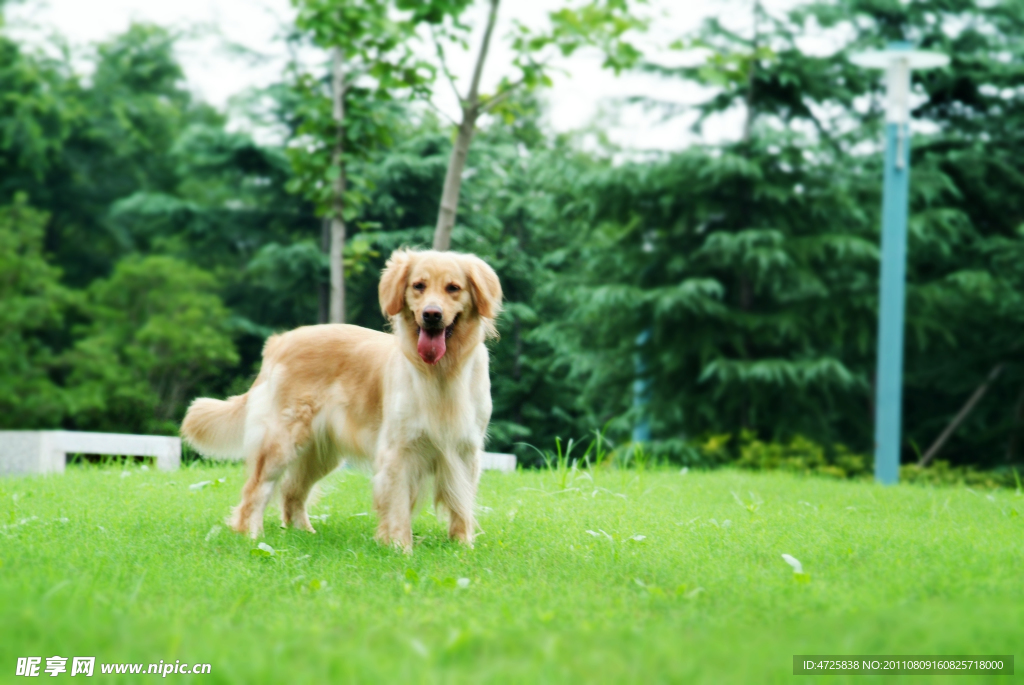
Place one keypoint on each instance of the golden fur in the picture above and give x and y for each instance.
(332, 391)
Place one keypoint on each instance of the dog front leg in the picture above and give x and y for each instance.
(394, 488)
(456, 487)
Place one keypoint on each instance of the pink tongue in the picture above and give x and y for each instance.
(431, 347)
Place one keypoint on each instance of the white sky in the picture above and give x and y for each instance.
(216, 73)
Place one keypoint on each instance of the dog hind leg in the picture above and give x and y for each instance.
(273, 455)
(317, 461)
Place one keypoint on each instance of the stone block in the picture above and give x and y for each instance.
(24, 452)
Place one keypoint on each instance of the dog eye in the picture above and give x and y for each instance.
(452, 288)
(419, 287)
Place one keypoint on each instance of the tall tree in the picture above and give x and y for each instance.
(370, 60)
(601, 23)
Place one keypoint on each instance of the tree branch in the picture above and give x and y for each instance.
(430, 103)
(472, 101)
(500, 97)
(504, 95)
(962, 414)
(444, 66)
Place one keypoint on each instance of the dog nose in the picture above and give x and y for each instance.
(432, 315)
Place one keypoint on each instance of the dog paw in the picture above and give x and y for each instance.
(234, 524)
(385, 539)
(461, 533)
(307, 527)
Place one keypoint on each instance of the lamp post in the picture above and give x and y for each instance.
(898, 60)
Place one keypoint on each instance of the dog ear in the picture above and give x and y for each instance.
(484, 286)
(393, 282)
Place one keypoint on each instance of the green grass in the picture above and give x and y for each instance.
(134, 566)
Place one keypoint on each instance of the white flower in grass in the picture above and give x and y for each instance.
(794, 562)
(419, 648)
(463, 583)
(200, 485)
(266, 548)
(638, 538)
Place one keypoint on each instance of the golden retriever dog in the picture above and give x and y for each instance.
(410, 404)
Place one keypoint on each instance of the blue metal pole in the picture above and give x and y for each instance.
(889, 379)
(642, 391)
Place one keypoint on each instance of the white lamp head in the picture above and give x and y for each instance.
(898, 60)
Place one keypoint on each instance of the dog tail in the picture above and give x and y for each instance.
(216, 428)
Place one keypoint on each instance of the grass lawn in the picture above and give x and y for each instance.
(133, 566)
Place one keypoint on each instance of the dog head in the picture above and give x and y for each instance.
(441, 302)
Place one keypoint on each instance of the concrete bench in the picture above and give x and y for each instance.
(496, 461)
(24, 452)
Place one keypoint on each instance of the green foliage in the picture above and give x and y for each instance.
(941, 473)
(607, 25)
(749, 301)
(800, 455)
(369, 120)
(156, 330)
(33, 123)
(33, 306)
(373, 45)
(125, 123)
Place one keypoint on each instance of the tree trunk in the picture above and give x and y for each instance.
(453, 183)
(457, 162)
(323, 290)
(337, 307)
